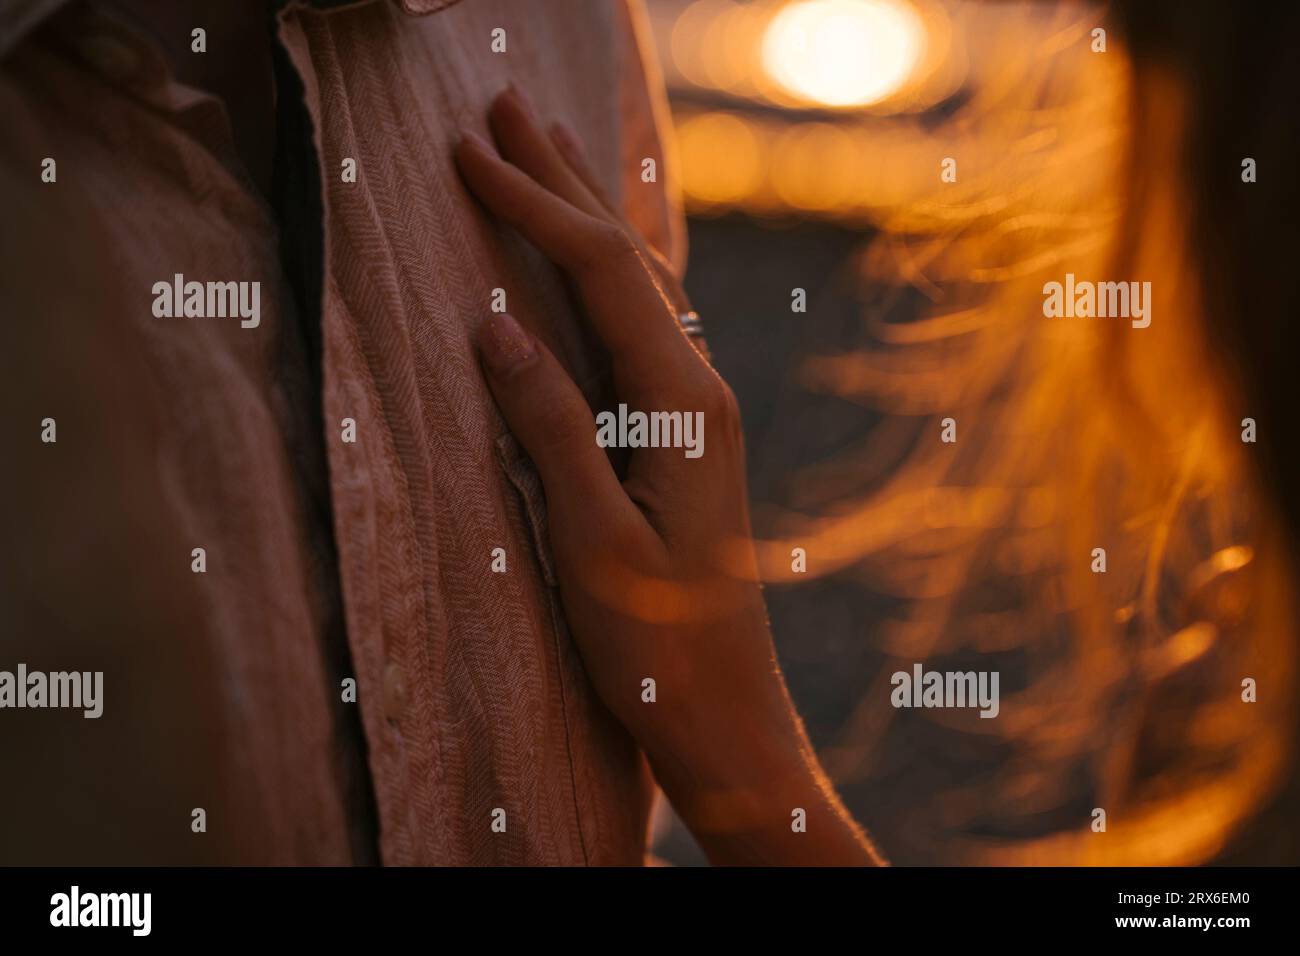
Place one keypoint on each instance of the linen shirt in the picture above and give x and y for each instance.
(341, 465)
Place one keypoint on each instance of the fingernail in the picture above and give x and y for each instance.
(522, 97)
(505, 345)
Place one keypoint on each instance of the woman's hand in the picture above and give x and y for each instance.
(657, 571)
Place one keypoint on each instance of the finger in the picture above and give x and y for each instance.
(575, 156)
(523, 144)
(556, 227)
(570, 147)
(552, 421)
(557, 160)
(626, 307)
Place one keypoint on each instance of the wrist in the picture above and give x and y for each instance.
(723, 771)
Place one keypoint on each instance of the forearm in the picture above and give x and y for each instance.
(755, 795)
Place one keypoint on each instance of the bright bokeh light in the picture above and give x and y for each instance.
(843, 53)
(721, 157)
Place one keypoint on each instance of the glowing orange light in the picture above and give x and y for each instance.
(843, 53)
(720, 158)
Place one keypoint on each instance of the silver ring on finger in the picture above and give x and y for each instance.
(691, 324)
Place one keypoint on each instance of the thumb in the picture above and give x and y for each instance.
(551, 419)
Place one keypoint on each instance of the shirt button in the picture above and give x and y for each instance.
(394, 691)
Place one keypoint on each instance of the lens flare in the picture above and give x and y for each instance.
(843, 53)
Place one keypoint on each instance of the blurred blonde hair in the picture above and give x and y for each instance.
(1072, 434)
